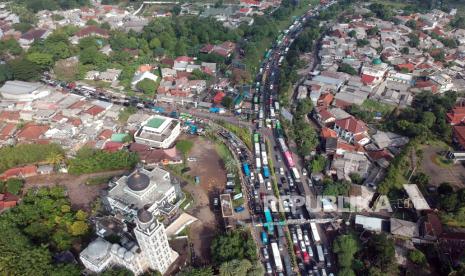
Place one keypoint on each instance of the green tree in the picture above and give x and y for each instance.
(190, 271)
(14, 185)
(5, 73)
(318, 164)
(345, 246)
(412, 24)
(24, 69)
(42, 60)
(78, 228)
(233, 245)
(227, 102)
(147, 86)
(417, 257)
(346, 68)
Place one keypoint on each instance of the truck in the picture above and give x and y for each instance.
(264, 158)
(257, 149)
(266, 171)
(260, 114)
(319, 251)
(260, 179)
(264, 237)
(315, 234)
(277, 257)
(258, 163)
(246, 169)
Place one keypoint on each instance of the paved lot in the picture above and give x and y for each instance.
(454, 174)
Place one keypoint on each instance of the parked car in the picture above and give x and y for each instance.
(265, 253)
(269, 270)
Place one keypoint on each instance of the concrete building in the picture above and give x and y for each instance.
(158, 132)
(23, 91)
(151, 251)
(139, 197)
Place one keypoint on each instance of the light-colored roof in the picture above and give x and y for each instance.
(369, 223)
(419, 202)
(404, 228)
(155, 122)
(19, 87)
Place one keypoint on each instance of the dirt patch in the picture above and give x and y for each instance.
(452, 173)
(209, 167)
(80, 194)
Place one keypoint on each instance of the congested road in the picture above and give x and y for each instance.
(307, 240)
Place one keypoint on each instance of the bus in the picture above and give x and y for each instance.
(256, 138)
(295, 174)
(277, 257)
(315, 234)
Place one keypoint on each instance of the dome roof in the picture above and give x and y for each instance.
(98, 249)
(377, 61)
(144, 216)
(138, 181)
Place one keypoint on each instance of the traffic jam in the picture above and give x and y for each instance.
(276, 173)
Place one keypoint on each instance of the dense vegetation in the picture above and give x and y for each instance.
(345, 247)
(90, 160)
(233, 245)
(452, 205)
(38, 5)
(42, 225)
(426, 118)
(305, 135)
(26, 154)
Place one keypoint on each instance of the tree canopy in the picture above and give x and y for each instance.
(89, 160)
(233, 245)
(26, 154)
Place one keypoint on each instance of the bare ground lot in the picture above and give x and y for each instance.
(453, 173)
(209, 167)
(80, 194)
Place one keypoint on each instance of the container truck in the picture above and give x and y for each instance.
(319, 251)
(277, 257)
(315, 234)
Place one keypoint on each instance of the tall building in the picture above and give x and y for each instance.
(137, 198)
(158, 132)
(151, 251)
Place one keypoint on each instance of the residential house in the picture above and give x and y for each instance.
(456, 116)
(352, 130)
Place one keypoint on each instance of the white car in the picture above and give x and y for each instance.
(252, 176)
(302, 246)
(304, 172)
(268, 185)
(269, 270)
(286, 206)
(265, 254)
(191, 159)
(281, 171)
(306, 240)
(294, 238)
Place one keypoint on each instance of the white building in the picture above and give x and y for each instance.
(158, 132)
(152, 252)
(23, 91)
(143, 194)
(143, 188)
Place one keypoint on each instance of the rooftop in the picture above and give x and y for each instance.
(419, 202)
(156, 122)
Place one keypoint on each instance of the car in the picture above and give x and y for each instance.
(310, 251)
(294, 238)
(304, 171)
(286, 206)
(265, 253)
(269, 270)
(302, 246)
(306, 240)
(328, 262)
(297, 250)
(325, 250)
(283, 179)
(216, 202)
(268, 185)
(191, 159)
(252, 176)
(255, 194)
(281, 171)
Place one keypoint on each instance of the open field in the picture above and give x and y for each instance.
(209, 168)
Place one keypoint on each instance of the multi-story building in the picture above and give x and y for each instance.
(139, 198)
(158, 132)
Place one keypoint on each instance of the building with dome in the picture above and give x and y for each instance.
(151, 251)
(374, 73)
(142, 188)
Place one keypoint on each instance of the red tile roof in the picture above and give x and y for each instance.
(325, 99)
(106, 134)
(352, 125)
(410, 67)
(7, 130)
(219, 97)
(19, 172)
(456, 115)
(207, 48)
(92, 30)
(94, 110)
(328, 133)
(33, 34)
(367, 79)
(8, 200)
(9, 116)
(113, 146)
(32, 132)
